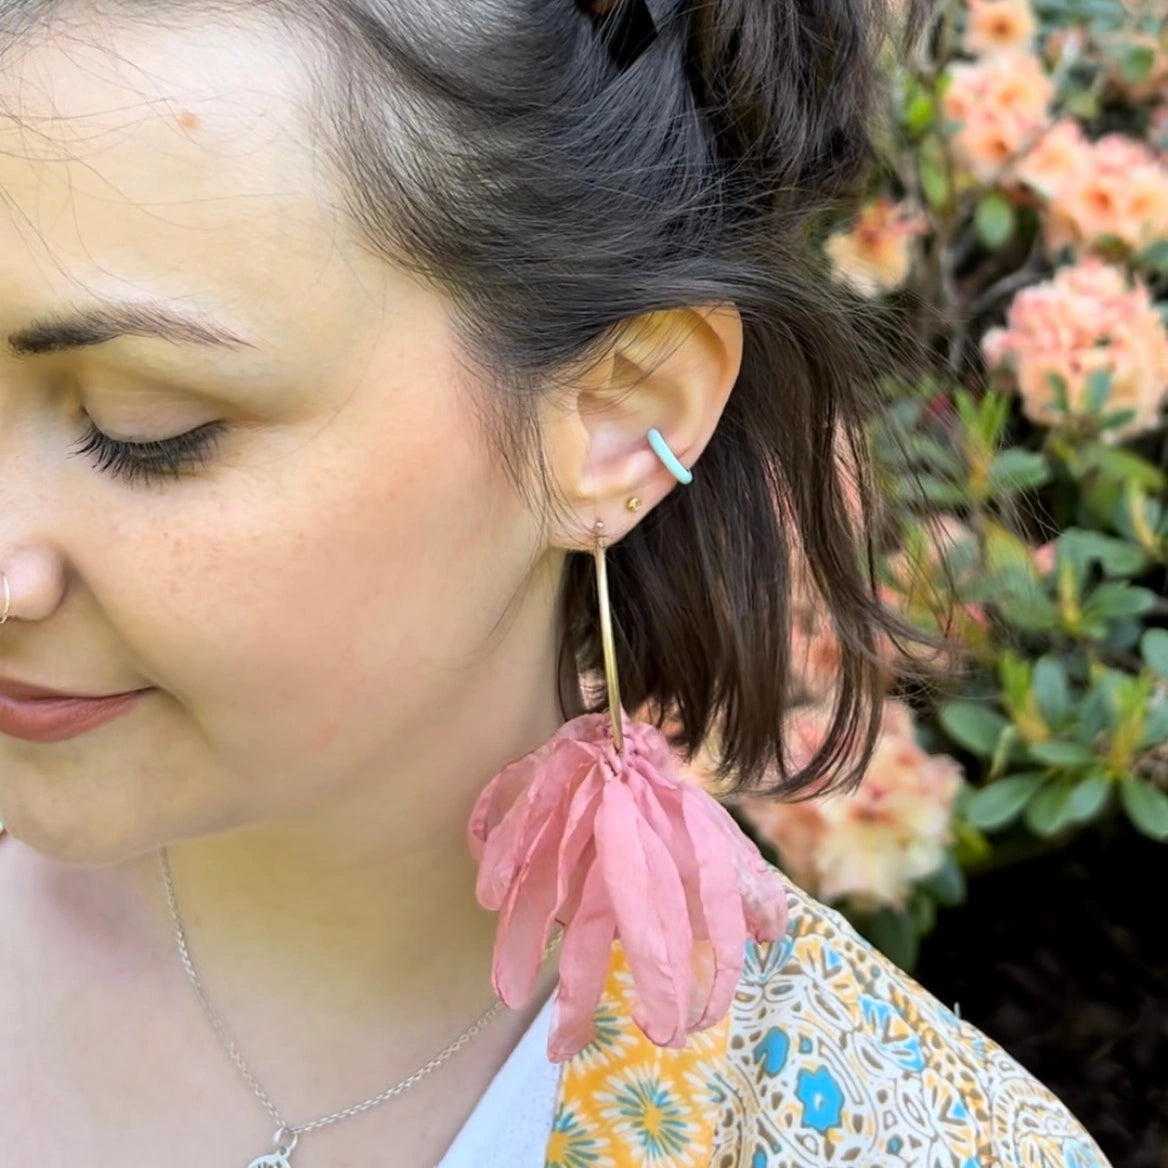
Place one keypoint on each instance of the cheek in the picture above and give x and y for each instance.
(329, 605)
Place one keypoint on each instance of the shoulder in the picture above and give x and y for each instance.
(835, 1054)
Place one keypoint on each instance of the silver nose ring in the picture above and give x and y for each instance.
(7, 598)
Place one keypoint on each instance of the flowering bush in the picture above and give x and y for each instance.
(1017, 232)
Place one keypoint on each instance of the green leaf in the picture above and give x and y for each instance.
(1028, 610)
(1135, 62)
(1155, 727)
(1082, 103)
(1059, 392)
(1048, 812)
(1052, 690)
(1002, 802)
(919, 111)
(1098, 390)
(1146, 807)
(994, 220)
(1061, 754)
(939, 492)
(1097, 711)
(1015, 676)
(895, 935)
(1154, 649)
(1116, 418)
(1017, 470)
(947, 885)
(1122, 465)
(974, 726)
(934, 180)
(1115, 599)
(1011, 745)
(1089, 798)
(936, 454)
(1155, 257)
(1119, 557)
(983, 419)
(923, 911)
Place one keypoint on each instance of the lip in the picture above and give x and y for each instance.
(40, 715)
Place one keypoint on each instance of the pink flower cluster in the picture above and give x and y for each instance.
(876, 254)
(868, 847)
(1114, 190)
(1084, 320)
(999, 105)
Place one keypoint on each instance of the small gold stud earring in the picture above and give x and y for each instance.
(633, 504)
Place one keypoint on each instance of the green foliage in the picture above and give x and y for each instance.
(994, 220)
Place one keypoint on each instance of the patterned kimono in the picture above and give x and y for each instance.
(830, 1056)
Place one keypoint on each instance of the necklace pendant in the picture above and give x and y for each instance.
(285, 1141)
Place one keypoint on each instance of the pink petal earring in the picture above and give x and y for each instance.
(595, 831)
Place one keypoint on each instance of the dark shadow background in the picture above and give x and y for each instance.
(1063, 961)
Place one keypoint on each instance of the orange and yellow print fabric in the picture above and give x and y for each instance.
(831, 1055)
(624, 1102)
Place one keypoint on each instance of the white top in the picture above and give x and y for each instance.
(510, 1125)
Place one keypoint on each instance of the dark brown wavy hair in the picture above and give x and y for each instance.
(555, 185)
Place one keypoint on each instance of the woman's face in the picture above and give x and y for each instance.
(315, 598)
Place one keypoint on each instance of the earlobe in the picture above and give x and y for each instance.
(670, 372)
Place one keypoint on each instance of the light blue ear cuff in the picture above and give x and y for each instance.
(661, 448)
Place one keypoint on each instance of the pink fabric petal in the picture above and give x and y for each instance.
(651, 919)
(661, 804)
(722, 907)
(503, 846)
(764, 895)
(582, 974)
(578, 833)
(526, 918)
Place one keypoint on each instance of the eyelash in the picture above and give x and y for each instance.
(151, 461)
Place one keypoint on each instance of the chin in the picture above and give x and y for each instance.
(81, 844)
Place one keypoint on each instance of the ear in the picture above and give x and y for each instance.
(672, 370)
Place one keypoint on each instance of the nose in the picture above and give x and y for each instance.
(35, 581)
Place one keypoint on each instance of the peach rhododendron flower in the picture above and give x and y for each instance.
(1086, 319)
(1113, 191)
(619, 847)
(1061, 153)
(876, 254)
(995, 26)
(1000, 104)
(870, 846)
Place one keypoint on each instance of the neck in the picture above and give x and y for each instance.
(349, 937)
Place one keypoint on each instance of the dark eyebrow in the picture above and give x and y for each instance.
(102, 323)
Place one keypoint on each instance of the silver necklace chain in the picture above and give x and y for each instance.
(287, 1135)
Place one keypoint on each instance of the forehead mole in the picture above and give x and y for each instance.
(188, 120)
